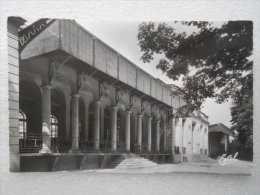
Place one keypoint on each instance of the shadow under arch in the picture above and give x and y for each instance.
(153, 131)
(107, 123)
(120, 130)
(133, 116)
(58, 109)
(30, 104)
(144, 130)
(82, 116)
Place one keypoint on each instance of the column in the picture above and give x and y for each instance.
(172, 121)
(165, 137)
(46, 113)
(75, 123)
(114, 128)
(158, 136)
(226, 143)
(127, 131)
(149, 134)
(139, 131)
(96, 125)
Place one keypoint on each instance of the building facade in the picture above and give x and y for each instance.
(192, 135)
(219, 139)
(76, 103)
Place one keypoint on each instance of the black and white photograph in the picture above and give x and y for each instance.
(140, 106)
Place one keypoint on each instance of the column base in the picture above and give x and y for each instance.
(114, 152)
(96, 151)
(45, 151)
(74, 151)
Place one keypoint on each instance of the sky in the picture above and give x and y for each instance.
(122, 36)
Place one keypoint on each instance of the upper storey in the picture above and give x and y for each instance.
(68, 36)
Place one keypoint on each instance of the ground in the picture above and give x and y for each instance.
(162, 179)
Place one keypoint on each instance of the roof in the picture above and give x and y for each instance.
(68, 36)
(17, 20)
(219, 127)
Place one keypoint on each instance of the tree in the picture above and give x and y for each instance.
(213, 61)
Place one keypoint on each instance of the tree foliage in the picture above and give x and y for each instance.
(214, 62)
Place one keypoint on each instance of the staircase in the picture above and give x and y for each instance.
(198, 158)
(133, 161)
(116, 162)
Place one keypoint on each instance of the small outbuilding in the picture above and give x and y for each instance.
(219, 139)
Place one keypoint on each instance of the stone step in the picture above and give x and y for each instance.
(117, 162)
(135, 162)
(198, 158)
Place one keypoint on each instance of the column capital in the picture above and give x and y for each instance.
(114, 107)
(97, 102)
(47, 86)
(158, 121)
(76, 95)
(149, 118)
(128, 111)
(140, 115)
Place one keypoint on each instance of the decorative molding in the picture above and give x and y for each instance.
(144, 105)
(102, 90)
(133, 100)
(54, 65)
(120, 93)
(81, 78)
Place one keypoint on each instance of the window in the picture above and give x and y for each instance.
(22, 125)
(54, 127)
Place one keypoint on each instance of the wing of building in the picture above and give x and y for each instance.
(76, 103)
(219, 139)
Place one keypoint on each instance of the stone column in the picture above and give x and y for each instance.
(165, 137)
(158, 136)
(46, 113)
(139, 131)
(96, 125)
(172, 124)
(149, 134)
(114, 128)
(127, 131)
(75, 123)
(226, 143)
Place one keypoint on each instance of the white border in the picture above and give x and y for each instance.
(127, 10)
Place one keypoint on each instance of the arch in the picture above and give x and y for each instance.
(132, 131)
(22, 125)
(153, 132)
(54, 127)
(201, 138)
(82, 116)
(205, 141)
(186, 144)
(58, 110)
(120, 126)
(144, 129)
(162, 123)
(30, 105)
(107, 131)
(91, 116)
(195, 136)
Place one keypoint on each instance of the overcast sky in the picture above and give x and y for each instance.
(122, 36)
